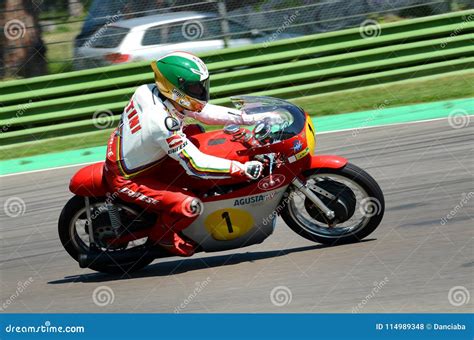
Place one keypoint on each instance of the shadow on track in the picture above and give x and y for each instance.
(185, 265)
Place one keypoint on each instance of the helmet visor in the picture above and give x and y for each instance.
(197, 89)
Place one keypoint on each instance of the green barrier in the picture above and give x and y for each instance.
(57, 80)
(64, 129)
(375, 78)
(318, 75)
(348, 58)
(84, 84)
(64, 104)
(296, 72)
(294, 67)
(280, 50)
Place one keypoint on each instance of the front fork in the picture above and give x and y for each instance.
(114, 216)
(89, 222)
(307, 190)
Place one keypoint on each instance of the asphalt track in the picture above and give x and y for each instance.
(409, 264)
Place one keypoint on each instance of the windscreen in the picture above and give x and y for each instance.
(278, 118)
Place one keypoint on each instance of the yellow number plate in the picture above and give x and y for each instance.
(228, 224)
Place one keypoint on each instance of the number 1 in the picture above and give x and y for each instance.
(226, 216)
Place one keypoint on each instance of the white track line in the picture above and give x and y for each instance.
(390, 124)
(48, 169)
(317, 133)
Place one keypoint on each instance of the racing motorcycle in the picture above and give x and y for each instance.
(323, 198)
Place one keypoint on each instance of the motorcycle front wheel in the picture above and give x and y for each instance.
(350, 192)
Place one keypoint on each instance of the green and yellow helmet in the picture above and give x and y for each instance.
(183, 78)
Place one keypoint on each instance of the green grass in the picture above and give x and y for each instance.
(60, 46)
(376, 97)
(55, 145)
(390, 95)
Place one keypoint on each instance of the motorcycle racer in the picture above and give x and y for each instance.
(152, 130)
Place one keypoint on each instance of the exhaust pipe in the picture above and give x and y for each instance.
(129, 256)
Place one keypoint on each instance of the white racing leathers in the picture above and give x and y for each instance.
(151, 129)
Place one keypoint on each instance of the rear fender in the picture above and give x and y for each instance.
(89, 181)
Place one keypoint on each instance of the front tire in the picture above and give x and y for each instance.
(75, 246)
(370, 205)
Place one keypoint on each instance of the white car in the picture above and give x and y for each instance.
(150, 37)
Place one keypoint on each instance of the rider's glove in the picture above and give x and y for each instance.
(272, 117)
(251, 170)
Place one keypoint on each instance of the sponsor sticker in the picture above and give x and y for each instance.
(177, 94)
(271, 182)
(184, 102)
(178, 148)
(110, 151)
(253, 199)
(174, 141)
(236, 168)
(299, 155)
(172, 124)
(297, 145)
(137, 195)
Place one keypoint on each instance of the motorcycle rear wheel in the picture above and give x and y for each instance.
(370, 205)
(75, 246)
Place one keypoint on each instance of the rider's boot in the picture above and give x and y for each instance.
(165, 232)
(169, 239)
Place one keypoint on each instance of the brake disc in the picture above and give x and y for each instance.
(336, 196)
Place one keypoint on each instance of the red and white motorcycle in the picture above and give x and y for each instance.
(323, 198)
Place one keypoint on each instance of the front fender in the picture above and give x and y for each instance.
(327, 161)
(89, 181)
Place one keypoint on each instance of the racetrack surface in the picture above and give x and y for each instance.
(409, 264)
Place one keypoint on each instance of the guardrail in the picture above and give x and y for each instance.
(63, 104)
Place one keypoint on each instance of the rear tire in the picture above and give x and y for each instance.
(361, 178)
(72, 207)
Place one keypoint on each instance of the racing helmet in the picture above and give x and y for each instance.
(183, 78)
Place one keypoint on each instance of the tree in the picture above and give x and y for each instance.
(75, 8)
(22, 52)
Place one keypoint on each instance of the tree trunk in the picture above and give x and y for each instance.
(23, 52)
(75, 8)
